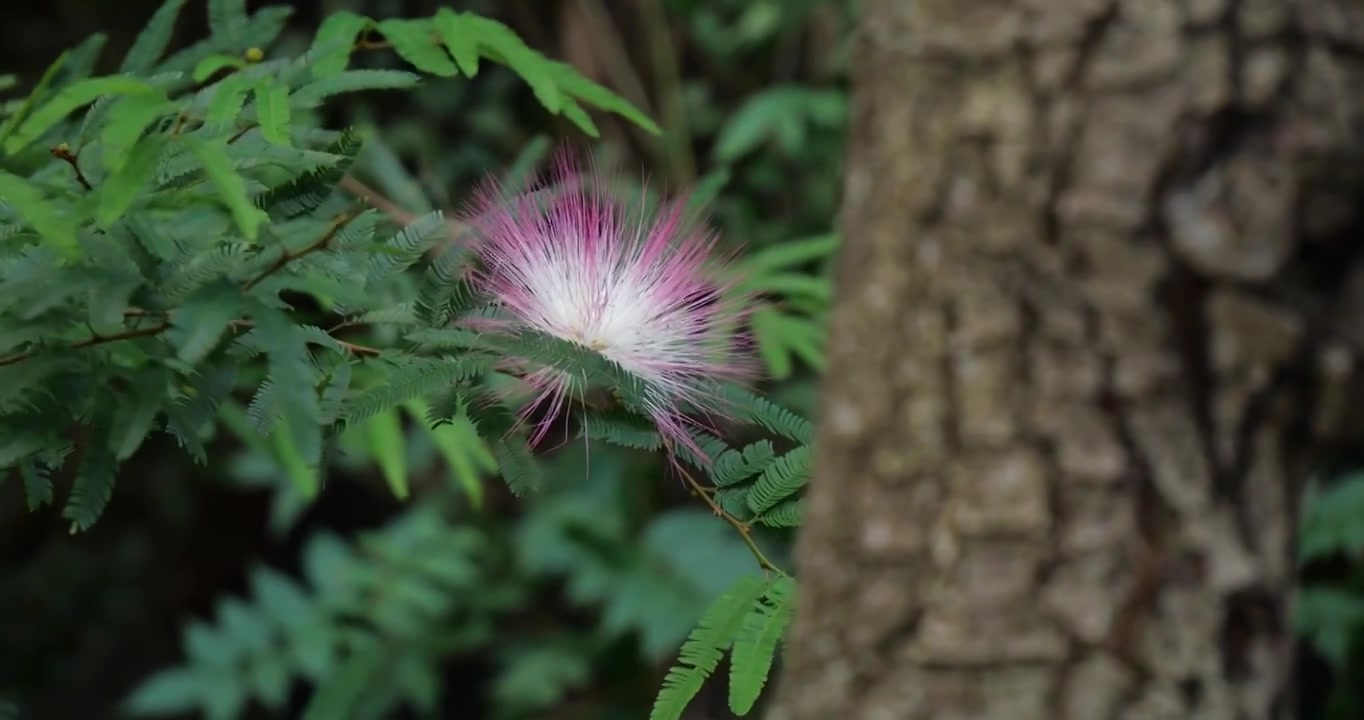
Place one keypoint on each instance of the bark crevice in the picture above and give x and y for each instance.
(1088, 320)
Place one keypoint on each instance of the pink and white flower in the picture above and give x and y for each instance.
(644, 290)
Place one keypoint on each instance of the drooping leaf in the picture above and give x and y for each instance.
(118, 192)
(11, 123)
(213, 63)
(67, 101)
(331, 46)
(460, 39)
(92, 489)
(756, 644)
(135, 418)
(500, 42)
(384, 437)
(705, 647)
(37, 484)
(415, 42)
(574, 83)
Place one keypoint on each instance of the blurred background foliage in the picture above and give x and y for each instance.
(223, 588)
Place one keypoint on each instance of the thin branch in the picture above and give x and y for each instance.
(92, 341)
(238, 135)
(349, 347)
(63, 152)
(164, 325)
(394, 211)
(287, 256)
(745, 532)
(358, 349)
(367, 44)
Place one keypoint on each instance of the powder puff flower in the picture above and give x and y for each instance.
(643, 290)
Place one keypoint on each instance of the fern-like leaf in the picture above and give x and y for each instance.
(620, 428)
(153, 39)
(736, 466)
(782, 479)
(410, 377)
(37, 484)
(787, 514)
(756, 644)
(405, 247)
(92, 489)
(766, 414)
(705, 647)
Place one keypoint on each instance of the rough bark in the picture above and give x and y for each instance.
(1091, 327)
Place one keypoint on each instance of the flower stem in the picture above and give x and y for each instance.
(745, 532)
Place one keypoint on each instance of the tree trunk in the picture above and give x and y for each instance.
(1091, 332)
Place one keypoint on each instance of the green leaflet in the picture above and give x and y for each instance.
(37, 484)
(56, 226)
(788, 254)
(227, 100)
(460, 38)
(780, 336)
(152, 41)
(415, 42)
(12, 122)
(135, 418)
(788, 513)
(227, 21)
(459, 443)
(306, 192)
(67, 101)
(705, 647)
(127, 119)
(335, 698)
(210, 65)
(200, 321)
(412, 377)
(383, 436)
(1331, 519)
(17, 448)
(118, 192)
(503, 44)
(91, 491)
(231, 187)
(756, 644)
(406, 247)
(272, 111)
(573, 83)
(331, 46)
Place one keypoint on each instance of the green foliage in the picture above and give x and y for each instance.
(1331, 520)
(783, 115)
(1329, 613)
(361, 614)
(169, 226)
(748, 621)
(790, 323)
(451, 43)
(180, 258)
